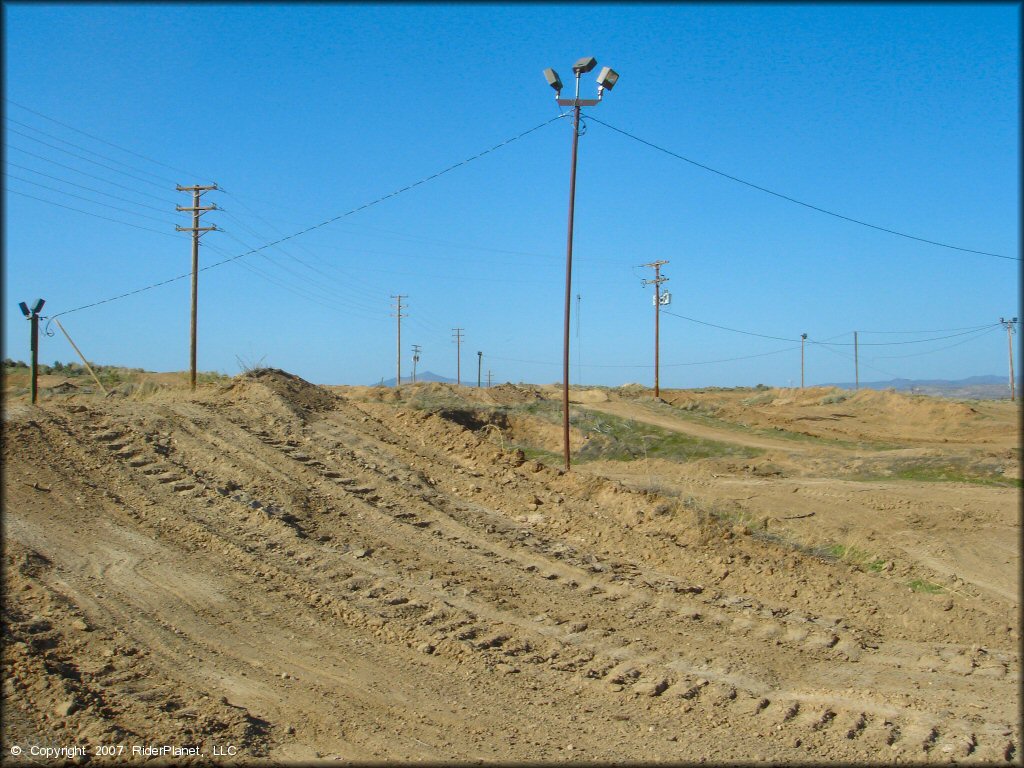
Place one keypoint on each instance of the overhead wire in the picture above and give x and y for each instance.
(350, 212)
(88, 213)
(169, 201)
(851, 358)
(87, 159)
(280, 250)
(104, 141)
(368, 293)
(90, 200)
(83, 186)
(298, 291)
(315, 288)
(9, 119)
(978, 335)
(798, 202)
(827, 343)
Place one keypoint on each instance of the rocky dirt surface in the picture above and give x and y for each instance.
(302, 572)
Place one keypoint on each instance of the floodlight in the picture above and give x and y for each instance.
(585, 64)
(38, 306)
(553, 80)
(608, 78)
(803, 335)
(24, 309)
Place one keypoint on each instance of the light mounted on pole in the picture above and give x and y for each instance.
(606, 80)
(33, 316)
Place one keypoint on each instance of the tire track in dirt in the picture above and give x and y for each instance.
(395, 545)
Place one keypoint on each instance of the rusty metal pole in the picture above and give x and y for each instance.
(568, 281)
(35, 356)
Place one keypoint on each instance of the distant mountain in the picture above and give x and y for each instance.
(425, 376)
(971, 388)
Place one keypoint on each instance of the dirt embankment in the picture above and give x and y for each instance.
(302, 573)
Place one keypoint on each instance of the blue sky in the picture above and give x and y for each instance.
(903, 116)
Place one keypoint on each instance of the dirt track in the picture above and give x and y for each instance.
(298, 574)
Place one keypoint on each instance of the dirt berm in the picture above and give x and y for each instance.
(299, 574)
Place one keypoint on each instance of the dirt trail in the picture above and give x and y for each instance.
(642, 412)
(301, 575)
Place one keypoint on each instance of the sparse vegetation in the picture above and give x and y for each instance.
(839, 397)
(923, 585)
(939, 470)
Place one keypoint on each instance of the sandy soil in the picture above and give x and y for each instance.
(300, 572)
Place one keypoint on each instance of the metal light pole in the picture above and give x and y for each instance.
(33, 316)
(606, 79)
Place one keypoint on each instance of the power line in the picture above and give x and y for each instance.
(798, 202)
(978, 335)
(81, 186)
(90, 200)
(318, 284)
(724, 328)
(647, 365)
(90, 175)
(88, 213)
(164, 179)
(350, 212)
(104, 141)
(302, 293)
(86, 159)
(835, 344)
(912, 341)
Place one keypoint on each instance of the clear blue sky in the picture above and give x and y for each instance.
(904, 116)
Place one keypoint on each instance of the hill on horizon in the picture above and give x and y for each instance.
(425, 376)
(989, 387)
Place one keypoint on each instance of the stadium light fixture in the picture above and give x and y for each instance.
(607, 79)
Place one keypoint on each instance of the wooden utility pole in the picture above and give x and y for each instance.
(656, 282)
(803, 339)
(399, 315)
(488, 378)
(579, 348)
(1010, 329)
(415, 359)
(479, 363)
(457, 334)
(197, 232)
(856, 363)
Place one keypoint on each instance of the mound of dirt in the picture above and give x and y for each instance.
(512, 394)
(282, 388)
(915, 408)
(588, 396)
